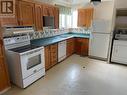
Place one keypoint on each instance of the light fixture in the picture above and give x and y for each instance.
(95, 2)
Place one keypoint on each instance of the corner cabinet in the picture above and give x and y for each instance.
(85, 17)
(26, 15)
(81, 46)
(4, 78)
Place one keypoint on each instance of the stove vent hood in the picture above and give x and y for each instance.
(95, 2)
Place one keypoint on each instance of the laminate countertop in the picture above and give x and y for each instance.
(59, 38)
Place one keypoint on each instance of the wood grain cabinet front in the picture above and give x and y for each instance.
(51, 55)
(54, 54)
(81, 46)
(26, 13)
(56, 17)
(38, 17)
(85, 17)
(4, 78)
(70, 46)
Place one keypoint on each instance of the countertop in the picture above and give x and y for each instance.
(56, 39)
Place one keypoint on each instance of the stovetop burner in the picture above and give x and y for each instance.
(24, 48)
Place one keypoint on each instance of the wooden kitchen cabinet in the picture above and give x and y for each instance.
(51, 10)
(10, 21)
(56, 17)
(26, 13)
(4, 78)
(85, 17)
(48, 10)
(45, 10)
(47, 58)
(38, 17)
(81, 46)
(51, 56)
(54, 54)
(70, 46)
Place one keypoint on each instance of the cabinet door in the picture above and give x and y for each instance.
(54, 54)
(26, 13)
(89, 16)
(47, 57)
(10, 21)
(45, 10)
(51, 10)
(85, 17)
(38, 17)
(78, 44)
(4, 79)
(81, 17)
(85, 47)
(82, 46)
(56, 17)
(70, 46)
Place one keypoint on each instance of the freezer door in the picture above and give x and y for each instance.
(101, 26)
(99, 45)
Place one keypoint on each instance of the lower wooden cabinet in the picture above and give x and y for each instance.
(4, 78)
(47, 57)
(81, 46)
(74, 45)
(51, 56)
(70, 46)
(54, 54)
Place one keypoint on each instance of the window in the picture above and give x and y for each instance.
(68, 17)
(74, 18)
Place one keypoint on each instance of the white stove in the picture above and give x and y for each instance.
(25, 61)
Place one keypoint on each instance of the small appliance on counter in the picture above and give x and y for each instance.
(25, 61)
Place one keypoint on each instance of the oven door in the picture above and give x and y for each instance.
(32, 62)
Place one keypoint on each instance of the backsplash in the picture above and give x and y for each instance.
(54, 32)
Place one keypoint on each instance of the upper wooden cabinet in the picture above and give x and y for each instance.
(4, 79)
(26, 13)
(45, 10)
(56, 17)
(51, 10)
(38, 17)
(10, 21)
(29, 13)
(48, 10)
(85, 17)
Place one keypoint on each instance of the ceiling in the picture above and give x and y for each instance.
(72, 3)
(65, 2)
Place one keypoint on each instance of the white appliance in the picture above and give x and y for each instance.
(100, 39)
(119, 54)
(62, 50)
(25, 61)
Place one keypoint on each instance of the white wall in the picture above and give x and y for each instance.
(121, 3)
(104, 10)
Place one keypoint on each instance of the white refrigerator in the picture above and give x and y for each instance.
(100, 39)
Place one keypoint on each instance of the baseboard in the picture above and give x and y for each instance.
(5, 90)
(99, 58)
